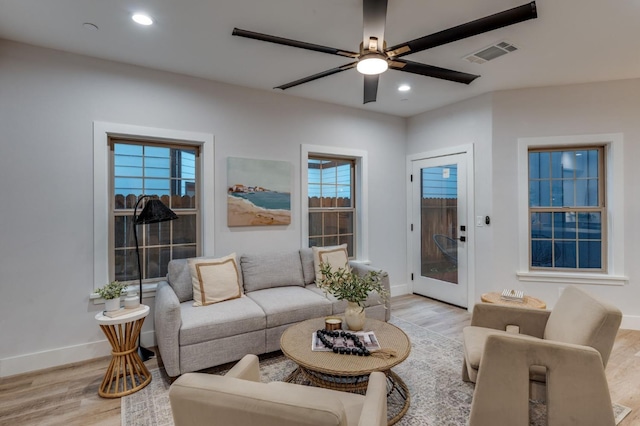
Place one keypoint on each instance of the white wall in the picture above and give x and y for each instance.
(596, 108)
(48, 102)
(494, 123)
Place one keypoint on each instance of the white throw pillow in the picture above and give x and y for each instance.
(214, 280)
(336, 256)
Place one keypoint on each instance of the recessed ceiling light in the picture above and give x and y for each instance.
(404, 88)
(142, 19)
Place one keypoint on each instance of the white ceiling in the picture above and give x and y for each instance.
(572, 41)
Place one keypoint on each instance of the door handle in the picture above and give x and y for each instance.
(462, 239)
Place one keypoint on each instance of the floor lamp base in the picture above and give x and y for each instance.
(145, 354)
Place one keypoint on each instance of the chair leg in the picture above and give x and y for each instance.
(465, 372)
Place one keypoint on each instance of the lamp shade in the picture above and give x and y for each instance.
(154, 211)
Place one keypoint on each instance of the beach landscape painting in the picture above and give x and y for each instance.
(259, 192)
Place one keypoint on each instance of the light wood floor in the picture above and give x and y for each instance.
(68, 395)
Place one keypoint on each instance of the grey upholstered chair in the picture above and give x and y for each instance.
(557, 355)
(239, 399)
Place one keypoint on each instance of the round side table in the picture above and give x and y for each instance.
(126, 373)
(528, 302)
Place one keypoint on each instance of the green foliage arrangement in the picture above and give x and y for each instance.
(350, 286)
(112, 290)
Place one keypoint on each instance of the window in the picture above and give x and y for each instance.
(169, 172)
(332, 207)
(567, 208)
(611, 194)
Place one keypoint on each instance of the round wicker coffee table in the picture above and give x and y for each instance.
(349, 372)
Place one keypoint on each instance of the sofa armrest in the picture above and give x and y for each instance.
(530, 321)
(361, 269)
(374, 409)
(248, 368)
(167, 322)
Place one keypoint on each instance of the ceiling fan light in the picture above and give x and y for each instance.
(372, 64)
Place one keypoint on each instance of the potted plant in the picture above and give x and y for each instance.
(111, 294)
(344, 284)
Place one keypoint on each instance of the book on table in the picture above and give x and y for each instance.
(368, 339)
(512, 295)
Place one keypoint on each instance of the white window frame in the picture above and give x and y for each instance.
(361, 193)
(101, 133)
(614, 186)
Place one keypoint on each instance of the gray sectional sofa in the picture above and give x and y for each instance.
(279, 290)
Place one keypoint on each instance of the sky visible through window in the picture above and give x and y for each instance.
(153, 170)
(332, 180)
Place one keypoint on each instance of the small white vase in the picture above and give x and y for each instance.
(111, 305)
(354, 316)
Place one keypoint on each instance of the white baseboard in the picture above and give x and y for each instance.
(630, 322)
(400, 289)
(83, 352)
(61, 356)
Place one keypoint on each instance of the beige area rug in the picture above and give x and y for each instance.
(439, 397)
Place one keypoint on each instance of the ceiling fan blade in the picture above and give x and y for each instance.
(317, 76)
(374, 17)
(431, 71)
(293, 43)
(479, 26)
(370, 88)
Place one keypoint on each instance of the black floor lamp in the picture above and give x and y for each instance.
(154, 212)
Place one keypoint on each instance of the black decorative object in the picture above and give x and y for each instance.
(359, 348)
(154, 212)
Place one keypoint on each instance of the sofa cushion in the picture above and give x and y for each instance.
(179, 278)
(336, 256)
(280, 269)
(286, 305)
(214, 280)
(308, 268)
(231, 318)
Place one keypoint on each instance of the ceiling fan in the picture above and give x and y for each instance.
(374, 57)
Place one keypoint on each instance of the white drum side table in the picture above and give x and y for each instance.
(126, 373)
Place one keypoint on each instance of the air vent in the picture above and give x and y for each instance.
(491, 52)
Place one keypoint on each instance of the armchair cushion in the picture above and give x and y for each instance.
(475, 339)
(582, 319)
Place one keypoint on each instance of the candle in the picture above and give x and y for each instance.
(332, 323)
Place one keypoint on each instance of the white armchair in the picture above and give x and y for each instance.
(557, 355)
(240, 399)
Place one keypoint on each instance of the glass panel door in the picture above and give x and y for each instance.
(439, 222)
(439, 214)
